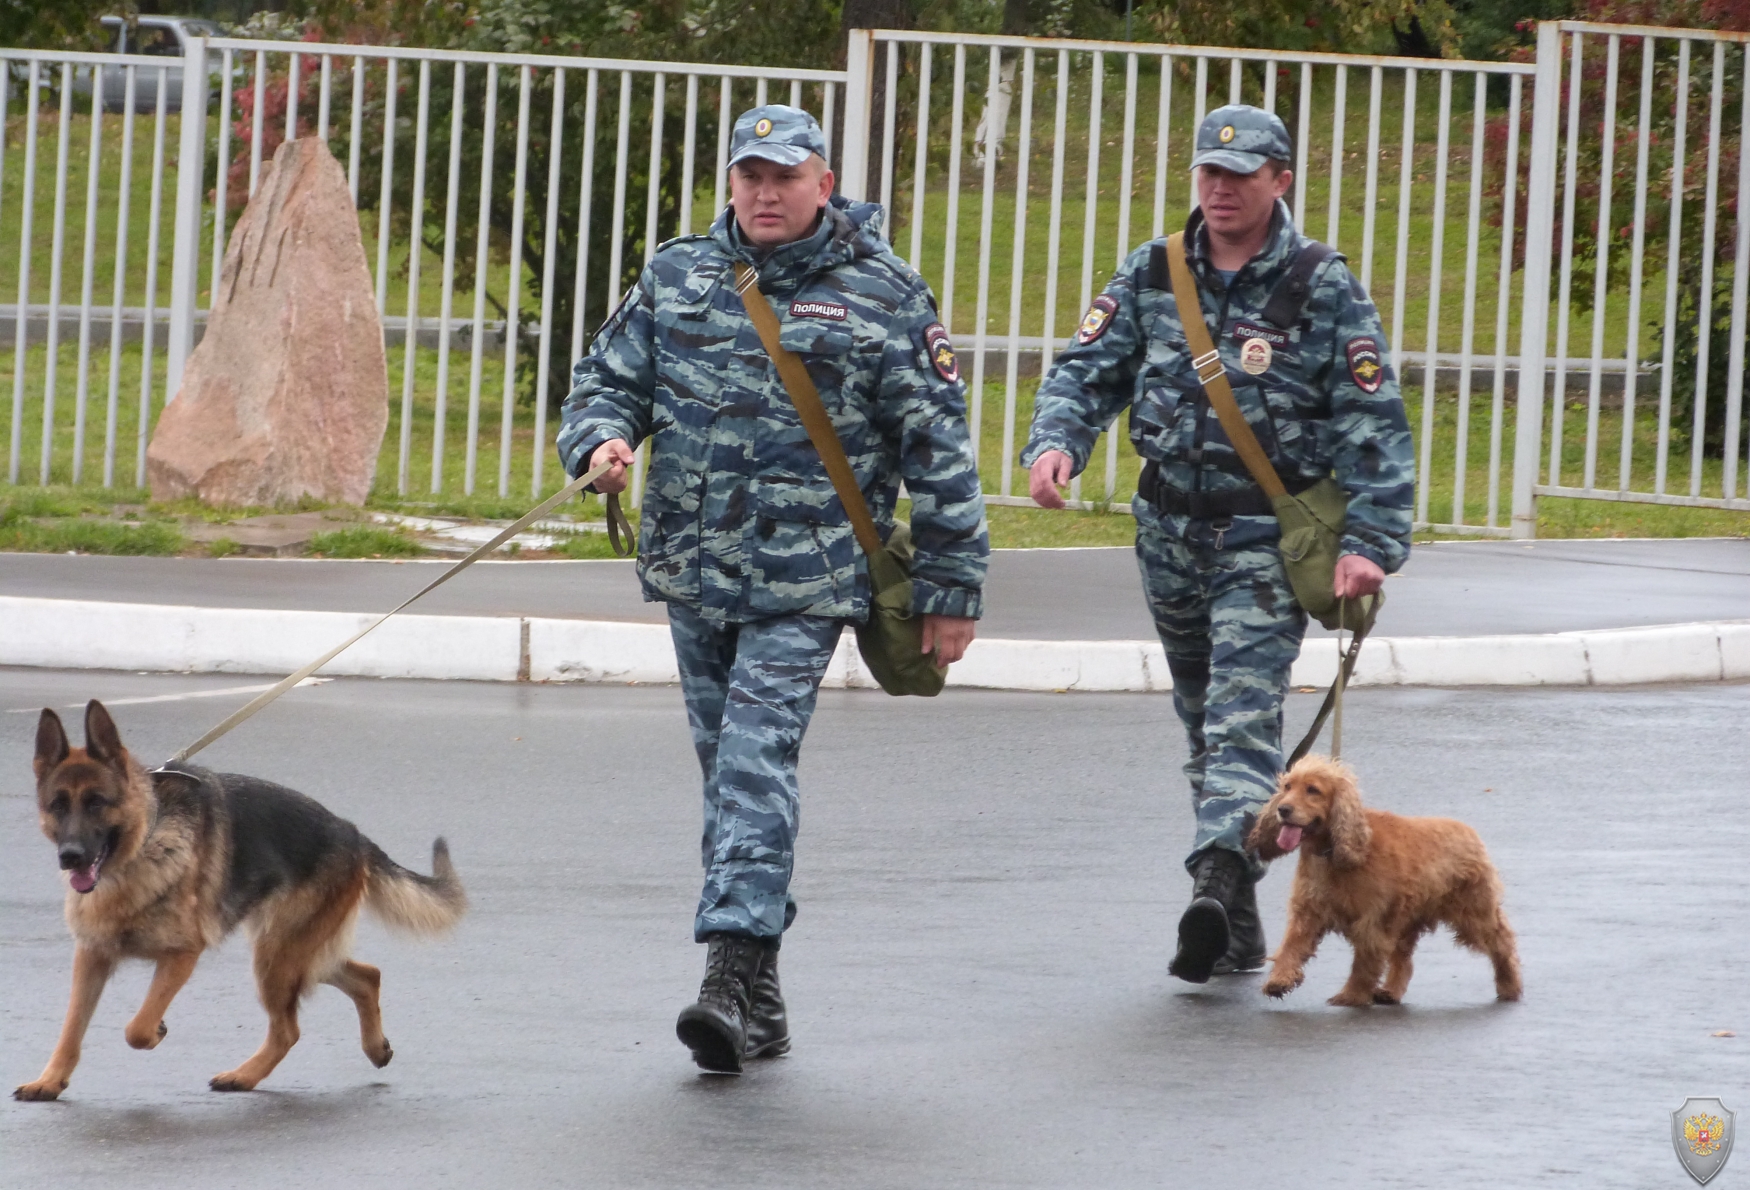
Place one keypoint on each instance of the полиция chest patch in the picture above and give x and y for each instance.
(830, 310)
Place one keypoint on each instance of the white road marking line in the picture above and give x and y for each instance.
(129, 702)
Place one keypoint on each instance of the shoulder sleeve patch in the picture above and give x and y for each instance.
(1366, 367)
(940, 348)
(1097, 319)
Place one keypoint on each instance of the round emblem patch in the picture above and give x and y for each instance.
(764, 127)
(1227, 133)
(940, 348)
(1255, 355)
(1096, 320)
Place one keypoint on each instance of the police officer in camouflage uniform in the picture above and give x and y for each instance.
(742, 535)
(1305, 356)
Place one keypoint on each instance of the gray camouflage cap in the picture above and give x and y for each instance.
(776, 132)
(1240, 138)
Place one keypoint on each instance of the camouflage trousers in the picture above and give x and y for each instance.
(750, 691)
(1231, 628)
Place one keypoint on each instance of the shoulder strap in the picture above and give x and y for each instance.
(806, 398)
(1213, 373)
(1290, 295)
(1157, 267)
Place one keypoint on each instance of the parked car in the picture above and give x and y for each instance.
(153, 36)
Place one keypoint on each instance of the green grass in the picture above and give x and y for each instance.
(364, 541)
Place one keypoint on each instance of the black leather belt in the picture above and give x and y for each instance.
(1247, 501)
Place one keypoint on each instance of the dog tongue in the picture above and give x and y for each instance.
(1288, 838)
(83, 879)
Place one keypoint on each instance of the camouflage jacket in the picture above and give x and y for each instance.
(1321, 396)
(739, 518)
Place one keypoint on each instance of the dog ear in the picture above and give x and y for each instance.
(51, 743)
(1262, 837)
(1351, 837)
(102, 741)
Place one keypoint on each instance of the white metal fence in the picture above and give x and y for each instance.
(508, 199)
(1654, 255)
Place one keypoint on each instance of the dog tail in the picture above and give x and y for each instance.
(405, 900)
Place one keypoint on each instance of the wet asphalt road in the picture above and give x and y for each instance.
(977, 979)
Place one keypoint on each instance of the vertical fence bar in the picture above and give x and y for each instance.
(513, 286)
(1126, 181)
(795, 92)
(725, 117)
(5, 122)
(585, 195)
(482, 245)
(1091, 197)
(1371, 200)
(1233, 80)
(1017, 261)
(57, 244)
(921, 161)
(1601, 270)
(358, 124)
(1504, 295)
(617, 239)
(294, 83)
(1740, 294)
(689, 144)
(1054, 228)
(653, 195)
(324, 95)
(1673, 262)
(550, 250)
(1197, 113)
(1704, 324)
(826, 123)
(1564, 304)
(993, 139)
(759, 93)
(1163, 130)
(21, 322)
(1473, 233)
(951, 239)
(143, 431)
(1339, 101)
(415, 256)
(257, 117)
(1632, 356)
(447, 297)
(889, 116)
(1540, 209)
(1303, 134)
(1270, 68)
(88, 272)
(221, 200)
(1406, 174)
(1436, 258)
(118, 294)
(387, 191)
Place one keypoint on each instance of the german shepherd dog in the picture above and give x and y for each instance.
(163, 865)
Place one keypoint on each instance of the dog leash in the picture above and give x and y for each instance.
(618, 527)
(1334, 696)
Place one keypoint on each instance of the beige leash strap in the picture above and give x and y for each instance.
(800, 385)
(1210, 370)
(1333, 703)
(261, 700)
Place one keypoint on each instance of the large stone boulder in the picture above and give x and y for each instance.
(287, 394)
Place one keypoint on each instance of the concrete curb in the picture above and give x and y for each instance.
(82, 634)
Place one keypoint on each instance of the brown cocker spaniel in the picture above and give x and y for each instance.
(1381, 881)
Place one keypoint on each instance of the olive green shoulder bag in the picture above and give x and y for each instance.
(891, 640)
(1312, 521)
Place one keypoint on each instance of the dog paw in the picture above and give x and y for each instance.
(141, 1039)
(231, 1081)
(1347, 999)
(42, 1091)
(1381, 996)
(380, 1057)
(1278, 988)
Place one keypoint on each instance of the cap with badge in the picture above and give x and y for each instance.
(1241, 138)
(776, 132)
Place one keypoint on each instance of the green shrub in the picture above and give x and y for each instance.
(365, 541)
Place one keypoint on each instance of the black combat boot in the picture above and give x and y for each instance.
(1246, 949)
(1204, 931)
(715, 1028)
(768, 1029)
